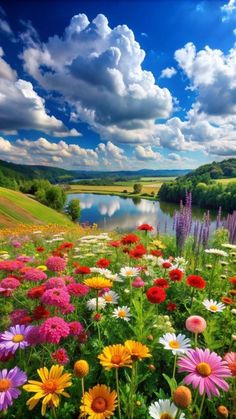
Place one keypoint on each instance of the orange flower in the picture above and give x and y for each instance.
(115, 356)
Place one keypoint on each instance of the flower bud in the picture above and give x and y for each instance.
(182, 397)
(152, 367)
(81, 368)
(150, 337)
(222, 412)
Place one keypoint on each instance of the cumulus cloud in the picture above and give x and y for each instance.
(146, 153)
(168, 72)
(98, 71)
(21, 107)
(228, 9)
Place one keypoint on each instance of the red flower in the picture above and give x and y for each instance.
(40, 313)
(82, 270)
(138, 251)
(145, 227)
(176, 275)
(166, 265)
(36, 292)
(156, 295)
(232, 280)
(66, 246)
(155, 252)
(161, 282)
(115, 243)
(40, 249)
(227, 300)
(171, 306)
(103, 263)
(130, 239)
(25, 320)
(196, 281)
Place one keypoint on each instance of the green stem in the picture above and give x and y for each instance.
(118, 393)
(82, 386)
(54, 412)
(201, 406)
(195, 339)
(174, 367)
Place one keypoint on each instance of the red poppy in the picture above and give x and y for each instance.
(130, 239)
(36, 292)
(232, 280)
(82, 270)
(156, 253)
(40, 312)
(115, 243)
(138, 251)
(196, 282)
(156, 295)
(161, 282)
(103, 263)
(145, 227)
(40, 249)
(176, 275)
(171, 306)
(166, 265)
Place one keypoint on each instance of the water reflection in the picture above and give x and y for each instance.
(125, 214)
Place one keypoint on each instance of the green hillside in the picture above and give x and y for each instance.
(17, 208)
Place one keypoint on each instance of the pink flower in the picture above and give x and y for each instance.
(9, 284)
(138, 282)
(57, 297)
(16, 243)
(76, 328)
(55, 282)
(24, 259)
(230, 358)
(33, 274)
(206, 371)
(34, 336)
(54, 329)
(56, 264)
(17, 315)
(68, 308)
(60, 355)
(11, 265)
(195, 324)
(77, 289)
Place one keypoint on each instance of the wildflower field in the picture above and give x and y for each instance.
(123, 325)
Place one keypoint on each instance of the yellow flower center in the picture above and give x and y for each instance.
(166, 416)
(99, 405)
(174, 344)
(213, 308)
(18, 338)
(50, 386)
(122, 313)
(203, 369)
(108, 298)
(116, 359)
(128, 273)
(5, 384)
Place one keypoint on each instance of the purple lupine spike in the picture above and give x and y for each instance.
(230, 225)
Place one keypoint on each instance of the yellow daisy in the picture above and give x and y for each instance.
(98, 282)
(158, 244)
(99, 402)
(50, 389)
(137, 350)
(115, 356)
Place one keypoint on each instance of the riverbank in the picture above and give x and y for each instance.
(112, 193)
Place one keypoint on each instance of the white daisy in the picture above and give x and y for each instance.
(177, 344)
(180, 262)
(213, 306)
(91, 304)
(216, 252)
(164, 409)
(111, 297)
(229, 245)
(129, 271)
(122, 313)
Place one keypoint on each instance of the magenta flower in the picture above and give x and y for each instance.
(60, 356)
(17, 315)
(9, 383)
(53, 329)
(206, 371)
(76, 328)
(78, 290)
(9, 284)
(57, 297)
(35, 275)
(14, 338)
(56, 264)
(55, 282)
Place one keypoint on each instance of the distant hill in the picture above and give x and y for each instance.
(17, 208)
(131, 173)
(216, 170)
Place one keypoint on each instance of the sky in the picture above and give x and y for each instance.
(117, 84)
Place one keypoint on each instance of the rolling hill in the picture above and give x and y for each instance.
(17, 208)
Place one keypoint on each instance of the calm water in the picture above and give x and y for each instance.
(125, 214)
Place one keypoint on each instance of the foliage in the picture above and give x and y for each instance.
(73, 209)
(137, 188)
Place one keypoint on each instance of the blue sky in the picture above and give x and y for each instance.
(118, 84)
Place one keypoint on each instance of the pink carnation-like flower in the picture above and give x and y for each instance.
(230, 358)
(24, 259)
(206, 371)
(68, 308)
(16, 316)
(16, 244)
(34, 336)
(138, 282)
(77, 289)
(68, 279)
(54, 329)
(56, 264)
(11, 265)
(57, 297)
(9, 284)
(61, 356)
(55, 282)
(34, 275)
(76, 328)
(196, 324)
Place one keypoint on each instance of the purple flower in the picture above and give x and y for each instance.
(14, 338)
(9, 381)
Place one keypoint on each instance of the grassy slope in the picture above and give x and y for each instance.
(17, 208)
(225, 181)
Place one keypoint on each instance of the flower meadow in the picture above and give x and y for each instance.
(97, 325)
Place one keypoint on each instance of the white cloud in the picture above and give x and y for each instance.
(146, 153)
(228, 9)
(98, 71)
(5, 27)
(168, 72)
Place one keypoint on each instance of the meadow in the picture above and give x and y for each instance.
(96, 325)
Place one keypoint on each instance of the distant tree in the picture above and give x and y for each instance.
(55, 198)
(137, 188)
(73, 209)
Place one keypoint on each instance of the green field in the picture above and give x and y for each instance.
(17, 208)
(226, 180)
